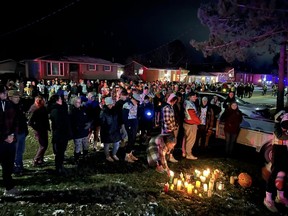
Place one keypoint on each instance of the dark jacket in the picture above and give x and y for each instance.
(61, 130)
(79, 122)
(110, 128)
(22, 126)
(8, 121)
(39, 119)
(232, 120)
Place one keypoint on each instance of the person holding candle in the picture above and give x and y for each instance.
(159, 147)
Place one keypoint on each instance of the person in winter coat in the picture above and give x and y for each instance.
(190, 124)
(232, 118)
(130, 117)
(8, 124)
(110, 129)
(61, 132)
(279, 168)
(205, 128)
(146, 119)
(39, 121)
(158, 149)
(230, 98)
(79, 128)
(21, 130)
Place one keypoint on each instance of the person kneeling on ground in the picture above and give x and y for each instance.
(159, 147)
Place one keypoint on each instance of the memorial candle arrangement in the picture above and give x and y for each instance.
(200, 183)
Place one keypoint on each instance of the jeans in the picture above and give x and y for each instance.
(7, 157)
(42, 137)
(114, 150)
(230, 142)
(20, 148)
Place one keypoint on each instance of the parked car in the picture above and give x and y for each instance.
(259, 111)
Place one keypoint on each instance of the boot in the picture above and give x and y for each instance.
(269, 203)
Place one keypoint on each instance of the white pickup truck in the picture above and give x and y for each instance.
(254, 133)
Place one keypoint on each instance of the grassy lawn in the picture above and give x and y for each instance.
(97, 187)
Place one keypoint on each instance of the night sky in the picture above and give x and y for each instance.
(110, 29)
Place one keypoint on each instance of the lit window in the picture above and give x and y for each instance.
(55, 69)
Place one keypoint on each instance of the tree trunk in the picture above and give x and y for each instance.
(280, 94)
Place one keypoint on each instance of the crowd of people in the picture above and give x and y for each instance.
(111, 114)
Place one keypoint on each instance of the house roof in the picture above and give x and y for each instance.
(77, 59)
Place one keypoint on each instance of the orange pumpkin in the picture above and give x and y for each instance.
(245, 180)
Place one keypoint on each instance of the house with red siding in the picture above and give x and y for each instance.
(72, 68)
(150, 74)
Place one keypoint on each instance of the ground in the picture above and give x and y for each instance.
(97, 187)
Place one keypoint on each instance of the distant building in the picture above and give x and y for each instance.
(72, 68)
(149, 74)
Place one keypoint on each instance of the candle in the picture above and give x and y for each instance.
(197, 173)
(195, 191)
(220, 186)
(166, 187)
(202, 178)
(172, 187)
(211, 184)
(198, 184)
(185, 184)
(200, 195)
(171, 176)
(179, 184)
(189, 188)
(206, 173)
(205, 187)
(232, 180)
(175, 181)
(209, 194)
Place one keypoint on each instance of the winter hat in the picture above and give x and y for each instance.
(109, 101)
(136, 96)
(12, 93)
(204, 99)
(171, 96)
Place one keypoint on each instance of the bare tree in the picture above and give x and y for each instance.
(241, 27)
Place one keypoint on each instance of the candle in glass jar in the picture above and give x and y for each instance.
(220, 186)
(205, 187)
(197, 173)
(179, 184)
(198, 184)
(189, 188)
(202, 178)
(206, 173)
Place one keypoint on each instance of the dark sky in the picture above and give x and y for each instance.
(109, 29)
